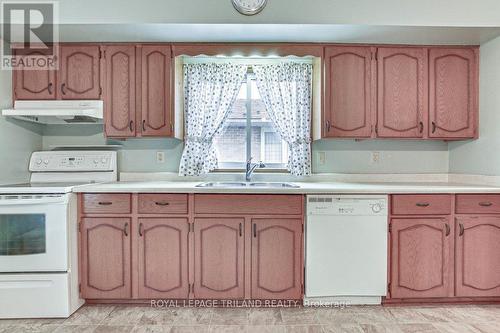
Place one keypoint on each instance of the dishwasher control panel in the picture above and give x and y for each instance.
(347, 205)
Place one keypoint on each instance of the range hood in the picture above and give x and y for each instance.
(57, 112)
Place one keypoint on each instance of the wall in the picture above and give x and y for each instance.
(342, 156)
(17, 139)
(363, 12)
(482, 156)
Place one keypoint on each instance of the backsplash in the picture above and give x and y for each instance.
(342, 156)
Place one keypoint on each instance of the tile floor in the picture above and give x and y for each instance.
(103, 318)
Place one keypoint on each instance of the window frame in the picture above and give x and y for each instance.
(249, 77)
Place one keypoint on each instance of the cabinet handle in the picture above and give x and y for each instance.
(328, 126)
(433, 127)
(241, 230)
(131, 126)
(125, 229)
(144, 125)
(485, 204)
(255, 230)
(49, 88)
(105, 203)
(462, 230)
(162, 203)
(421, 125)
(141, 226)
(63, 88)
(448, 230)
(423, 204)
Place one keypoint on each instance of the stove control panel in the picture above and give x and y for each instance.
(76, 161)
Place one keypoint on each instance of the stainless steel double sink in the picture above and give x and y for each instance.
(247, 185)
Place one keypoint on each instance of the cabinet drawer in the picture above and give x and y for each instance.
(478, 203)
(248, 204)
(163, 203)
(106, 203)
(421, 204)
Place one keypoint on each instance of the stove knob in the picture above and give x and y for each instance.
(96, 161)
(104, 160)
(39, 161)
(376, 208)
(46, 162)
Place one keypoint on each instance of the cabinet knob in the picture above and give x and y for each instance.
(162, 203)
(485, 204)
(448, 229)
(141, 229)
(63, 88)
(421, 126)
(144, 125)
(131, 126)
(433, 127)
(49, 88)
(462, 230)
(423, 204)
(105, 203)
(328, 126)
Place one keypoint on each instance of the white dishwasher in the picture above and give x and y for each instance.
(346, 249)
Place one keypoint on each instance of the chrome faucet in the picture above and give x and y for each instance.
(251, 168)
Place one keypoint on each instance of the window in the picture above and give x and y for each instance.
(248, 132)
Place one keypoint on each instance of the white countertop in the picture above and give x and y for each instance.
(305, 188)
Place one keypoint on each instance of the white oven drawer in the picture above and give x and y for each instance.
(34, 296)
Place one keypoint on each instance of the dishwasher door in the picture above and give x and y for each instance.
(346, 255)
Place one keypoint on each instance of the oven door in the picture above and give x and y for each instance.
(34, 233)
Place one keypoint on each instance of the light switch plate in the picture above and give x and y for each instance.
(160, 157)
(321, 158)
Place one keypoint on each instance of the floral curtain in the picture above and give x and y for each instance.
(209, 93)
(286, 90)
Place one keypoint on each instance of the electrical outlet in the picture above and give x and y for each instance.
(160, 157)
(375, 157)
(321, 158)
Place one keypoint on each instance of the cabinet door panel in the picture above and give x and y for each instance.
(163, 258)
(156, 102)
(79, 73)
(478, 256)
(106, 258)
(453, 93)
(349, 88)
(34, 84)
(219, 258)
(421, 263)
(402, 92)
(276, 258)
(120, 91)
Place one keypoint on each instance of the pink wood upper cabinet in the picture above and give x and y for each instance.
(421, 258)
(79, 76)
(276, 258)
(163, 258)
(478, 256)
(105, 258)
(155, 90)
(348, 92)
(453, 95)
(402, 92)
(34, 84)
(119, 100)
(219, 258)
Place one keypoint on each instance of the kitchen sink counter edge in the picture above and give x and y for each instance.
(303, 188)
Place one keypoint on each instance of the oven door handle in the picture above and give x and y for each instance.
(62, 200)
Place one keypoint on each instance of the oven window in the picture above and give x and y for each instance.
(22, 234)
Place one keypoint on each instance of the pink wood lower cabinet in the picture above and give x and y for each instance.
(163, 258)
(422, 258)
(106, 258)
(276, 258)
(219, 258)
(478, 256)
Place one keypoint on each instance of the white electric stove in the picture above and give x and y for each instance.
(38, 233)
